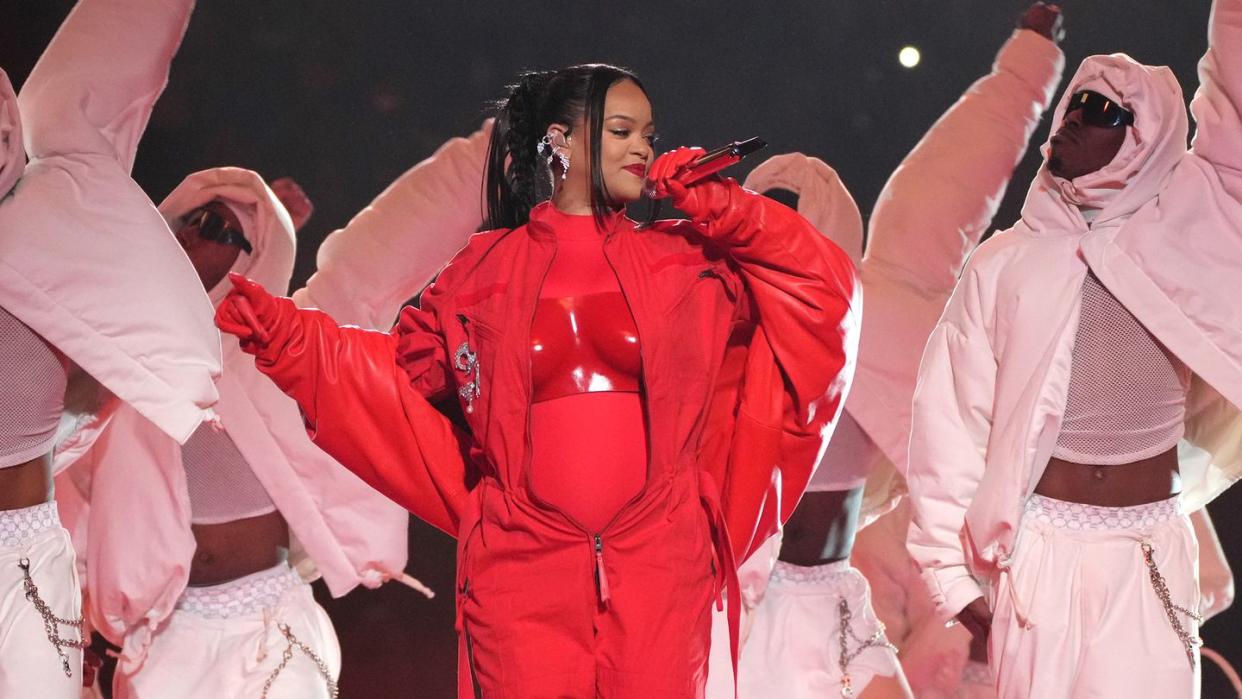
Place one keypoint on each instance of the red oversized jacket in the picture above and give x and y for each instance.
(747, 322)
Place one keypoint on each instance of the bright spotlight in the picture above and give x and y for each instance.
(909, 56)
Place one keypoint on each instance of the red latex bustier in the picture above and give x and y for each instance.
(584, 344)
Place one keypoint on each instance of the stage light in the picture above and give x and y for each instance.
(909, 56)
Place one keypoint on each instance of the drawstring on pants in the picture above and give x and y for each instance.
(1006, 581)
(261, 655)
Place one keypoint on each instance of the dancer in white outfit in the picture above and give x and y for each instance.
(217, 615)
(1077, 349)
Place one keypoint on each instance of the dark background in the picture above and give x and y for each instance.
(345, 96)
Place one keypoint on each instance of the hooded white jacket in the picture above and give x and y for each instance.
(1167, 243)
(85, 259)
(133, 515)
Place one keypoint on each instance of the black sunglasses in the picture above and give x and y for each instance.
(214, 227)
(1098, 110)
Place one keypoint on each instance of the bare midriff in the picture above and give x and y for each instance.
(1121, 485)
(27, 484)
(822, 528)
(232, 550)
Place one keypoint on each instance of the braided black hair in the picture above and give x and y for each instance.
(517, 176)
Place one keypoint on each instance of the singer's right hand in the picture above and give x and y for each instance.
(663, 177)
(247, 312)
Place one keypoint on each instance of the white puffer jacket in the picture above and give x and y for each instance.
(1167, 243)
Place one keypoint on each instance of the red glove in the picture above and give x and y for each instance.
(663, 180)
(247, 312)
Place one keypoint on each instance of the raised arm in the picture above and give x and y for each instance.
(940, 201)
(952, 418)
(93, 89)
(392, 249)
(360, 406)
(1217, 105)
(807, 304)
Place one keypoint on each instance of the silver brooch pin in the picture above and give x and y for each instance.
(468, 362)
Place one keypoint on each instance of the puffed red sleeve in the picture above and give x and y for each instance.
(364, 396)
(807, 304)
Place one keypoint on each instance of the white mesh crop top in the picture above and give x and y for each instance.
(1127, 393)
(32, 392)
(223, 487)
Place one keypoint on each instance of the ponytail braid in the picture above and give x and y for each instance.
(515, 172)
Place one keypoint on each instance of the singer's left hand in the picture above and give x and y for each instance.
(662, 178)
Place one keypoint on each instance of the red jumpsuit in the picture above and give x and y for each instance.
(747, 321)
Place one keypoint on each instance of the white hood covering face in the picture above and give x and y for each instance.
(1153, 147)
(930, 215)
(351, 533)
(1166, 242)
(822, 197)
(265, 223)
(85, 259)
(12, 151)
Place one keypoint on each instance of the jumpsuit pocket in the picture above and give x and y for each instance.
(705, 279)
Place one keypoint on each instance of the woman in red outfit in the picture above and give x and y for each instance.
(643, 404)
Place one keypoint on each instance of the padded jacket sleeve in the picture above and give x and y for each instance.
(368, 411)
(807, 302)
(952, 420)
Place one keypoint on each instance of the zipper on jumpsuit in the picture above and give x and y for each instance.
(601, 575)
(595, 539)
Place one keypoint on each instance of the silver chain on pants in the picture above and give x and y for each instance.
(291, 643)
(846, 630)
(1189, 640)
(51, 622)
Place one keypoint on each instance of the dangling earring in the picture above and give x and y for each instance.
(548, 152)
